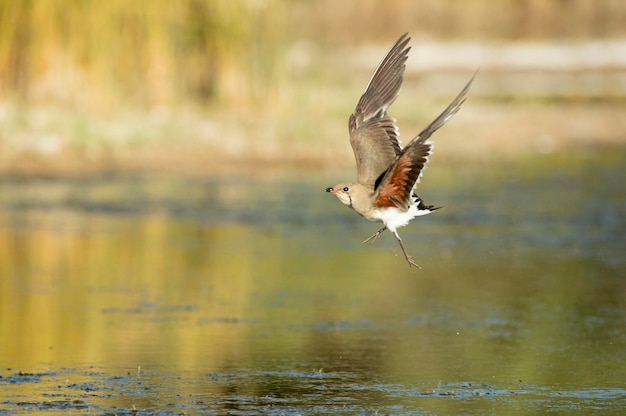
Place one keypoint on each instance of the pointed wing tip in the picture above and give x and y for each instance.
(384, 85)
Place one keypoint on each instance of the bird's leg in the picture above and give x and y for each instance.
(376, 235)
(408, 258)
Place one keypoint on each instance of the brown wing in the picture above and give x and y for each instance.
(373, 134)
(397, 185)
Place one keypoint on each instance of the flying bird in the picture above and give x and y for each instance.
(386, 172)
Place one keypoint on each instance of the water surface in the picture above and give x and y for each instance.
(253, 294)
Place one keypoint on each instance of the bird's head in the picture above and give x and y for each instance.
(343, 192)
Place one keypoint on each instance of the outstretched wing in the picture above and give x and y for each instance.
(373, 134)
(397, 185)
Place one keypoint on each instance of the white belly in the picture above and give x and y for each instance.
(394, 218)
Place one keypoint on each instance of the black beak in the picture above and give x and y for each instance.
(329, 189)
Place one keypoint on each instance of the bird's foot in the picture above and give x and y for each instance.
(412, 263)
(375, 236)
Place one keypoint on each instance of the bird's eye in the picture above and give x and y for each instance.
(329, 189)
(346, 189)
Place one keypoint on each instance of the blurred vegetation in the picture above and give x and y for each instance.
(454, 19)
(87, 78)
(159, 53)
(97, 54)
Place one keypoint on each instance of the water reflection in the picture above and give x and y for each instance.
(175, 285)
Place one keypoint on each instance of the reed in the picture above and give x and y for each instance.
(100, 55)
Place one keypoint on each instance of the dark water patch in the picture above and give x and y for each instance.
(24, 377)
(67, 405)
(225, 320)
(152, 308)
(292, 391)
(341, 326)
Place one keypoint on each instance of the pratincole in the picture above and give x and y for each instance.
(386, 172)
